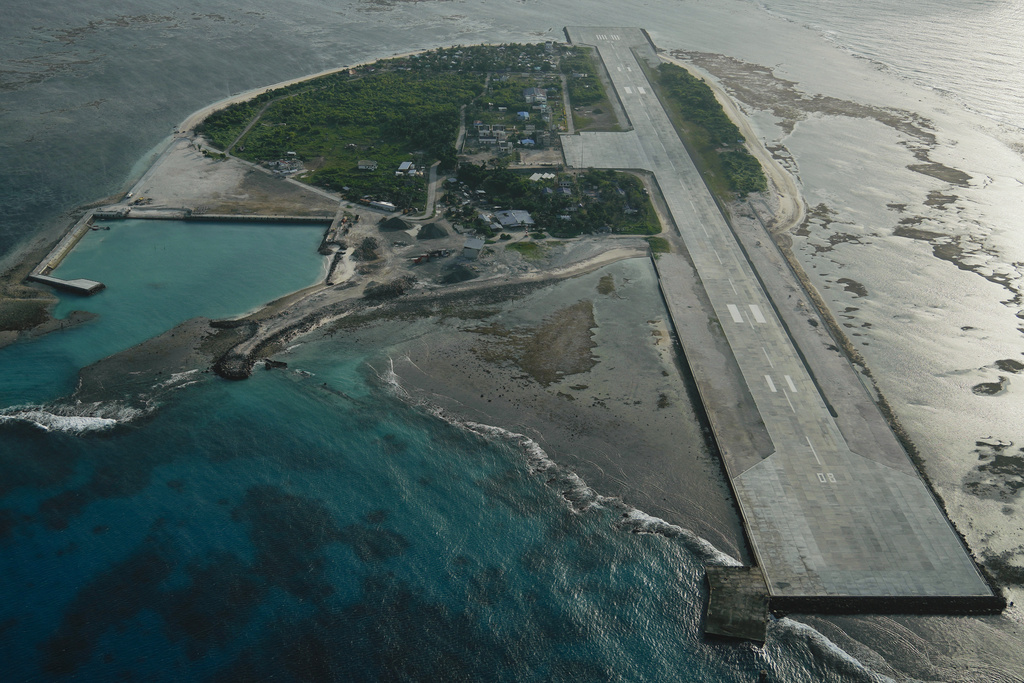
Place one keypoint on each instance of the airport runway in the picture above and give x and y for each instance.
(823, 521)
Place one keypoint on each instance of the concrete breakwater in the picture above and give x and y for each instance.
(41, 273)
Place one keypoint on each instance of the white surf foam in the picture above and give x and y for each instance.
(573, 488)
(73, 419)
(787, 630)
(177, 379)
(60, 423)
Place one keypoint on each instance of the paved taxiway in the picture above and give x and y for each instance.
(823, 520)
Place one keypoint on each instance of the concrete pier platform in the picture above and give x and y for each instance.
(76, 286)
(837, 515)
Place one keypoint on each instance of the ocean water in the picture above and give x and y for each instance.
(320, 527)
(313, 526)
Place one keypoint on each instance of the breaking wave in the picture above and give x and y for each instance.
(178, 380)
(573, 488)
(72, 419)
(793, 634)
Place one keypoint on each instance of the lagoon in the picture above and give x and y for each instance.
(158, 274)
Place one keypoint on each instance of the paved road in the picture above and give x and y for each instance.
(823, 521)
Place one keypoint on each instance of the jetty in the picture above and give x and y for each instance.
(837, 516)
(41, 273)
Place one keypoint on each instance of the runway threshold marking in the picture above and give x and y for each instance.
(771, 384)
(758, 316)
(789, 381)
(737, 317)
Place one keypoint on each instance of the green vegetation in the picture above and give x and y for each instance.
(391, 111)
(388, 117)
(530, 250)
(585, 87)
(571, 205)
(659, 245)
(706, 129)
(222, 127)
(514, 57)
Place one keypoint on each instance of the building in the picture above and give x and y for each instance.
(535, 95)
(472, 248)
(367, 165)
(523, 116)
(514, 219)
(406, 168)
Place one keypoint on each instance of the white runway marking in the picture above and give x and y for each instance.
(641, 90)
(629, 91)
(812, 449)
(735, 313)
(731, 284)
(756, 310)
(771, 384)
(770, 363)
(788, 401)
(789, 381)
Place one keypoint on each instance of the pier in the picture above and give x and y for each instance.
(837, 516)
(41, 273)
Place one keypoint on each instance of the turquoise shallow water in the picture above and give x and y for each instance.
(158, 274)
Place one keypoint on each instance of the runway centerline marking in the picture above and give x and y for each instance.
(816, 458)
(770, 363)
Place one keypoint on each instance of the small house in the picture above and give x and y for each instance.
(472, 248)
(514, 218)
(367, 165)
(535, 95)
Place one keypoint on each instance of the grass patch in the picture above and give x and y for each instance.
(659, 245)
(530, 250)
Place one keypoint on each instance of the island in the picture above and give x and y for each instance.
(446, 178)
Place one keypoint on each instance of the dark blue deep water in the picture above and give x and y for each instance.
(276, 530)
(300, 527)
